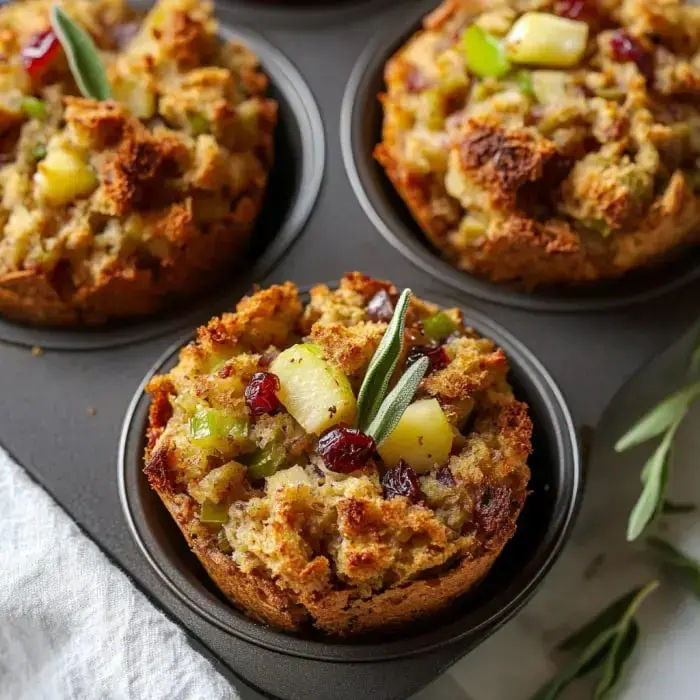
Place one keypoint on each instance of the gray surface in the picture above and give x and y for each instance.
(45, 400)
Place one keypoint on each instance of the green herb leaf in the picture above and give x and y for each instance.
(604, 620)
(618, 656)
(381, 368)
(654, 478)
(608, 640)
(660, 418)
(398, 401)
(591, 657)
(681, 562)
(82, 55)
(672, 508)
(484, 54)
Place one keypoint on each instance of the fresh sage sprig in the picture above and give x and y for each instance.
(382, 366)
(663, 420)
(606, 644)
(686, 566)
(83, 59)
(397, 402)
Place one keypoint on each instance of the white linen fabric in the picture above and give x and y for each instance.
(72, 626)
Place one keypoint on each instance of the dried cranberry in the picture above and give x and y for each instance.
(445, 477)
(40, 51)
(346, 449)
(261, 393)
(436, 354)
(581, 10)
(625, 48)
(401, 481)
(380, 307)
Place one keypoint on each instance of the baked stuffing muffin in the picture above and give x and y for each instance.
(547, 141)
(107, 207)
(304, 521)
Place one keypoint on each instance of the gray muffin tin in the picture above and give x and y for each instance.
(63, 413)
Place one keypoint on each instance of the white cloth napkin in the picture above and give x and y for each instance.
(72, 626)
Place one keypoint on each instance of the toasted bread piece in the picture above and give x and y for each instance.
(307, 546)
(109, 209)
(549, 175)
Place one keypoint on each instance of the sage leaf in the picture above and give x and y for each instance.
(382, 365)
(616, 661)
(686, 566)
(591, 657)
(660, 418)
(672, 508)
(83, 59)
(607, 641)
(604, 620)
(655, 478)
(398, 401)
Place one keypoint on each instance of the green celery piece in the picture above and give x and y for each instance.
(198, 124)
(211, 427)
(34, 108)
(523, 79)
(265, 462)
(485, 55)
(438, 326)
(214, 513)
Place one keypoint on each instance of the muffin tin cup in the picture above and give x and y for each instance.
(294, 185)
(543, 527)
(360, 131)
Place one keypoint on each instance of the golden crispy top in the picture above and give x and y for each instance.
(178, 153)
(585, 152)
(305, 524)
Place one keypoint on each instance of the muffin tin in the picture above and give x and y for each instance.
(62, 412)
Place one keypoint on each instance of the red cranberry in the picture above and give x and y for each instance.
(380, 307)
(345, 450)
(445, 476)
(436, 354)
(261, 393)
(401, 481)
(581, 10)
(39, 52)
(625, 48)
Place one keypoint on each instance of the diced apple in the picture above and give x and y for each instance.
(316, 394)
(422, 439)
(63, 176)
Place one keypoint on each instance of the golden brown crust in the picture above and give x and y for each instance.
(568, 191)
(310, 548)
(174, 201)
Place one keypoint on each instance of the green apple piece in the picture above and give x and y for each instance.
(423, 438)
(211, 428)
(316, 394)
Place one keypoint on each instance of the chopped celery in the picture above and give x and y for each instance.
(210, 427)
(214, 513)
(438, 326)
(34, 108)
(198, 123)
(523, 79)
(484, 54)
(265, 462)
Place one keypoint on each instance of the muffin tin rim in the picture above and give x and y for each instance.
(295, 90)
(489, 616)
(422, 254)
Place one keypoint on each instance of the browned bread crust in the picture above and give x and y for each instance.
(308, 547)
(171, 176)
(514, 190)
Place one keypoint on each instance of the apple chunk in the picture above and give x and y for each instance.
(316, 394)
(423, 438)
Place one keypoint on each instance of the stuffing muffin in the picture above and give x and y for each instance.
(303, 520)
(549, 141)
(109, 207)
